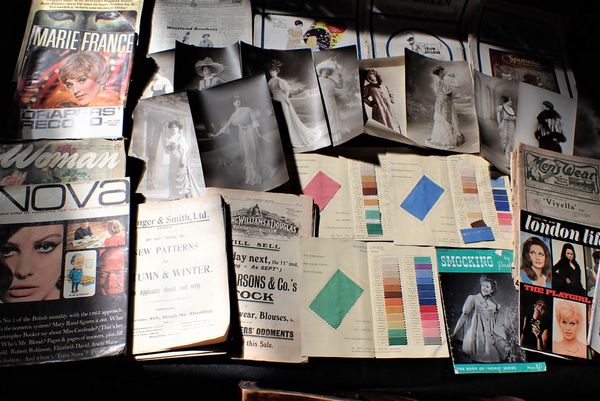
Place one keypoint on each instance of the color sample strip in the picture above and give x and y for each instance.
(428, 309)
(394, 304)
(370, 193)
(502, 205)
(478, 230)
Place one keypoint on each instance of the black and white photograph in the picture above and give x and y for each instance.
(496, 101)
(440, 109)
(337, 71)
(162, 80)
(163, 137)
(482, 317)
(546, 119)
(204, 67)
(384, 104)
(238, 137)
(294, 88)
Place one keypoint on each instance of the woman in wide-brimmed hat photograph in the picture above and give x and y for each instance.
(209, 71)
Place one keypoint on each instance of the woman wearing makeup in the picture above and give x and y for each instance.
(33, 254)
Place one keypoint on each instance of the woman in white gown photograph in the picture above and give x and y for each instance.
(446, 133)
(301, 136)
(255, 168)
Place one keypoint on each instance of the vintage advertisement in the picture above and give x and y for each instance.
(266, 232)
(406, 302)
(203, 23)
(74, 83)
(481, 310)
(64, 269)
(181, 285)
(336, 300)
(390, 27)
(90, 15)
(164, 137)
(445, 201)
(528, 52)
(286, 32)
(48, 161)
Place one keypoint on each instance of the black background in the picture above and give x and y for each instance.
(217, 379)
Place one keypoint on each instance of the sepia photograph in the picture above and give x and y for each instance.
(440, 109)
(163, 137)
(337, 70)
(238, 136)
(204, 67)
(496, 101)
(546, 119)
(294, 88)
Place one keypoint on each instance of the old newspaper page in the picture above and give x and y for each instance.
(266, 232)
(181, 288)
(203, 23)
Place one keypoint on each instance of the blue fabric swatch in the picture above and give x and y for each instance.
(422, 198)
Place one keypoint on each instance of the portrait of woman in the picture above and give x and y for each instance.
(180, 185)
(475, 326)
(566, 273)
(507, 123)
(331, 80)
(445, 133)
(256, 169)
(536, 267)
(378, 97)
(300, 134)
(569, 319)
(116, 232)
(209, 71)
(535, 333)
(295, 36)
(549, 132)
(33, 254)
(84, 76)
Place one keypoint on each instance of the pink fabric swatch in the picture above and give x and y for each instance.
(322, 188)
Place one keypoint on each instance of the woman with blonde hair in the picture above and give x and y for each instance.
(569, 319)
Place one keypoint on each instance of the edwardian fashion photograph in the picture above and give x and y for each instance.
(294, 88)
(546, 119)
(337, 70)
(239, 141)
(163, 136)
(204, 67)
(440, 107)
(496, 101)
